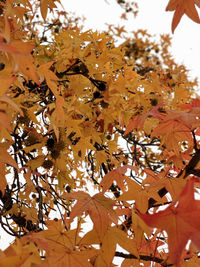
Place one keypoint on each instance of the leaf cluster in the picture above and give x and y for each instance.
(79, 111)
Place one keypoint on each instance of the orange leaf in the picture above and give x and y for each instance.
(140, 194)
(19, 254)
(5, 158)
(150, 246)
(17, 47)
(45, 5)
(117, 175)
(5, 122)
(174, 132)
(138, 122)
(112, 237)
(45, 73)
(5, 84)
(182, 7)
(20, 52)
(98, 207)
(60, 246)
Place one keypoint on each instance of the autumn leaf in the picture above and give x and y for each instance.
(99, 208)
(151, 244)
(20, 52)
(4, 121)
(174, 133)
(139, 194)
(45, 5)
(45, 73)
(117, 175)
(6, 158)
(182, 7)
(181, 222)
(139, 227)
(5, 84)
(138, 122)
(95, 134)
(112, 237)
(37, 162)
(8, 100)
(19, 254)
(60, 245)
(195, 104)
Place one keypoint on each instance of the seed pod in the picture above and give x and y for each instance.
(96, 95)
(47, 164)
(102, 86)
(2, 66)
(50, 143)
(154, 101)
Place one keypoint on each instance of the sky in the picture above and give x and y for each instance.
(153, 17)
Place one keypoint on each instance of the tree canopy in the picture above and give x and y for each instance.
(99, 142)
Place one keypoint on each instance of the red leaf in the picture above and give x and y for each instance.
(181, 222)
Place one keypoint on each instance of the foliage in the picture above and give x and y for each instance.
(95, 133)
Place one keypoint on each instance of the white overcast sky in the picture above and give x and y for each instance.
(153, 17)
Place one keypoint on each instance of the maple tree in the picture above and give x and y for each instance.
(95, 133)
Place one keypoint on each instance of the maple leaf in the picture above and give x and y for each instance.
(182, 7)
(117, 175)
(120, 30)
(9, 101)
(174, 132)
(45, 5)
(20, 51)
(195, 104)
(188, 118)
(149, 245)
(19, 254)
(45, 73)
(5, 84)
(112, 237)
(135, 123)
(66, 98)
(140, 194)
(5, 158)
(60, 246)
(181, 222)
(99, 208)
